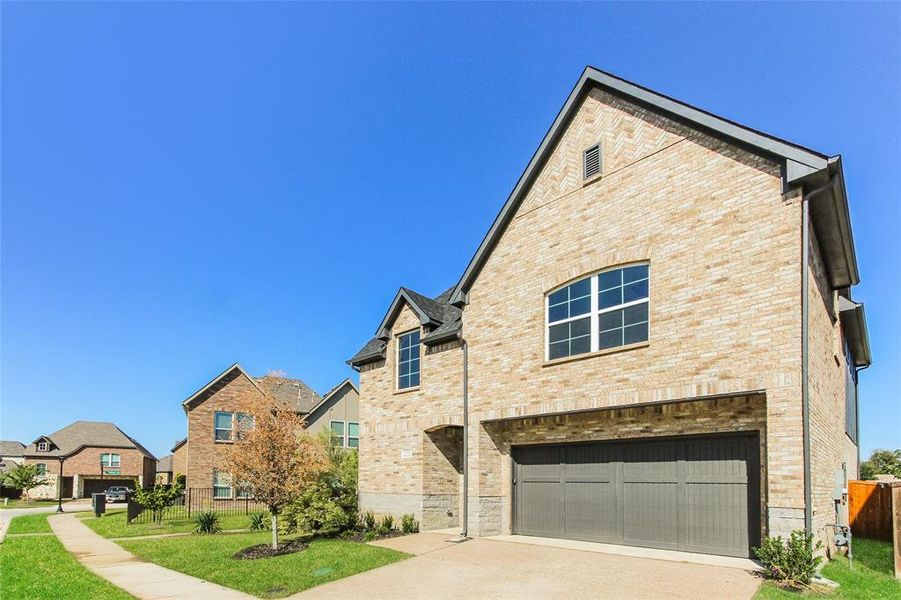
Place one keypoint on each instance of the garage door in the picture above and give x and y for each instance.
(697, 494)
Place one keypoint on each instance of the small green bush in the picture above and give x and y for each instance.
(387, 524)
(259, 521)
(408, 524)
(370, 535)
(791, 562)
(207, 522)
(367, 520)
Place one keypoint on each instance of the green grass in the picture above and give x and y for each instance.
(36, 568)
(30, 524)
(871, 579)
(113, 525)
(23, 504)
(210, 558)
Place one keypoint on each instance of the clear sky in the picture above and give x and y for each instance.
(189, 185)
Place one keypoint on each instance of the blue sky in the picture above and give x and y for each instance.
(189, 185)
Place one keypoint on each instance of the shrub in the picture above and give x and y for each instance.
(158, 499)
(387, 524)
(792, 562)
(367, 520)
(259, 521)
(207, 522)
(370, 535)
(408, 524)
(329, 504)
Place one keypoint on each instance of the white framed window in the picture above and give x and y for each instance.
(605, 310)
(228, 426)
(408, 360)
(222, 485)
(41, 468)
(353, 434)
(337, 429)
(110, 460)
(42, 446)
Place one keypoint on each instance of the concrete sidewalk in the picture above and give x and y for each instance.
(143, 580)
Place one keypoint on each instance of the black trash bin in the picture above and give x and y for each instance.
(98, 501)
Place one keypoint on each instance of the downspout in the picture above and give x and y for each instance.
(465, 529)
(805, 392)
(857, 371)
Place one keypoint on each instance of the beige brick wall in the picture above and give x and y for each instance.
(180, 461)
(724, 247)
(829, 444)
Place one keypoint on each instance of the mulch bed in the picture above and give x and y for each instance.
(266, 551)
(359, 536)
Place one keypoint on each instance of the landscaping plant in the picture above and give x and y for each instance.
(22, 477)
(271, 459)
(158, 499)
(259, 522)
(792, 562)
(409, 524)
(207, 522)
(387, 524)
(367, 520)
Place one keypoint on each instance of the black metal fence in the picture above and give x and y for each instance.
(193, 501)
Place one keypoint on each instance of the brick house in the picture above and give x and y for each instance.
(655, 343)
(172, 465)
(95, 456)
(214, 417)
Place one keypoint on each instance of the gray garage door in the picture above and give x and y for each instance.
(697, 494)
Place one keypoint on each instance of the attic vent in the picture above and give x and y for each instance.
(592, 161)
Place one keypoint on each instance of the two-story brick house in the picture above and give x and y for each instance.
(214, 418)
(95, 455)
(654, 345)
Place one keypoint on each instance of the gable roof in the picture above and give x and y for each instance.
(443, 318)
(332, 393)
(800, 167)
(208, 389)
(164, 465)
(80, 434)
(179, 444)
(11, 448)
(293, 394)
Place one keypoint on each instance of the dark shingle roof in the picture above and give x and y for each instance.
(11, 448)
(291, 393)
(87, 433)
(438, 310)
(164, 465)
(179, 444)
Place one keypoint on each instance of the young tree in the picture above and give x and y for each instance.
(881, 462)
(23, 477)
(272, 458)
(158, 499)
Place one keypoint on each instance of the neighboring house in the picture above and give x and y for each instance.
(659, 340)
(214, 418)
(10, 457)
(95, 455)
(180, 458)
(164, 470)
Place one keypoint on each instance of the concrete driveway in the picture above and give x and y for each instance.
(486, 568)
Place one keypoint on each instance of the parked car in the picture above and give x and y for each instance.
(118, 493)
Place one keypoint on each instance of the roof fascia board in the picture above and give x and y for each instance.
(394, 310)
(854, 325)
(803, 162)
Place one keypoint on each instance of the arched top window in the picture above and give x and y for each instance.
(606, 310)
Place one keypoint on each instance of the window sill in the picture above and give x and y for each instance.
(592, 179)
(406, 390)
(224, 441)
(618, 349)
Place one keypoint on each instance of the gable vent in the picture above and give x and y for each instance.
(591, 161)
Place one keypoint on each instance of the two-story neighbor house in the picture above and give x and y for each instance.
(93, 456)
(655, 344)
(214, 418)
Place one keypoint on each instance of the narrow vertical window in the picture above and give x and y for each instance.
(223, 426)
(337, 428)
(569, 321)
(222, 487)
(353, 434)
(408, 360)
(623, 307)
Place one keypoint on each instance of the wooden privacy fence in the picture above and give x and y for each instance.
(193, 501)
(870, 508)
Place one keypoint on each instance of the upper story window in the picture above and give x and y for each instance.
(229, 425)
(110, 460)
(41, 468)
(408, 360)
(603, 311)
(346, 434)
(43, 446)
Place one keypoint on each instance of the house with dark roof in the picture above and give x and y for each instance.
(214, 416)
(655, 344)
(87, 457)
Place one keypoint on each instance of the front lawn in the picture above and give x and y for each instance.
(30, 524)
(872, 577)
(114, 525)
(27, 503)
(210, 557)
(37, 568)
